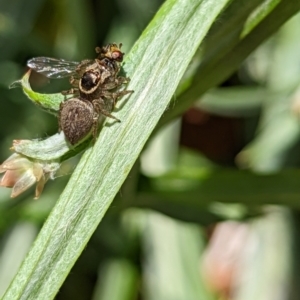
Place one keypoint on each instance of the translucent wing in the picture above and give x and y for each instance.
(52, 67)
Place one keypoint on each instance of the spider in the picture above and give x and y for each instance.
(95, 89)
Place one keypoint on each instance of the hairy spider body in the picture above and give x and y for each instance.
(94, 82)
(76, 119)
(97, 82)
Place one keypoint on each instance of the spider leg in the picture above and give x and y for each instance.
(101, 108)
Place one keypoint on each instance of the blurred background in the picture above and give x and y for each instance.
(210, 210)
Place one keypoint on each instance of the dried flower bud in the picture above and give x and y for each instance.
(22, 172)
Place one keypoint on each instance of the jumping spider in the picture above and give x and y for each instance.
(95, 89)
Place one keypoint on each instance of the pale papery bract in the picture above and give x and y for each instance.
(21, 173)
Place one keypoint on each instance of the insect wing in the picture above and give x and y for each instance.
(52, 67)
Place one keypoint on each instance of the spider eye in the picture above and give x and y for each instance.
(89, 80)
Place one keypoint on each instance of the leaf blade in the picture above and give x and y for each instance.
(79, 211)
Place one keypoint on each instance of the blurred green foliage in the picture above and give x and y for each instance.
(137, 253)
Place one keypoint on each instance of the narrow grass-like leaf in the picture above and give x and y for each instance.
(234, 101)
(155, 65)
(188, 194)
(169, 242)
(118, 281)
(226, 47)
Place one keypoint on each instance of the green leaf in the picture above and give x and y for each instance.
(47, 102)
(155, 64)
(258, 15)
(118, 281)
(169, 242)
(234, 101)
(190, 193)
(225, 47)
